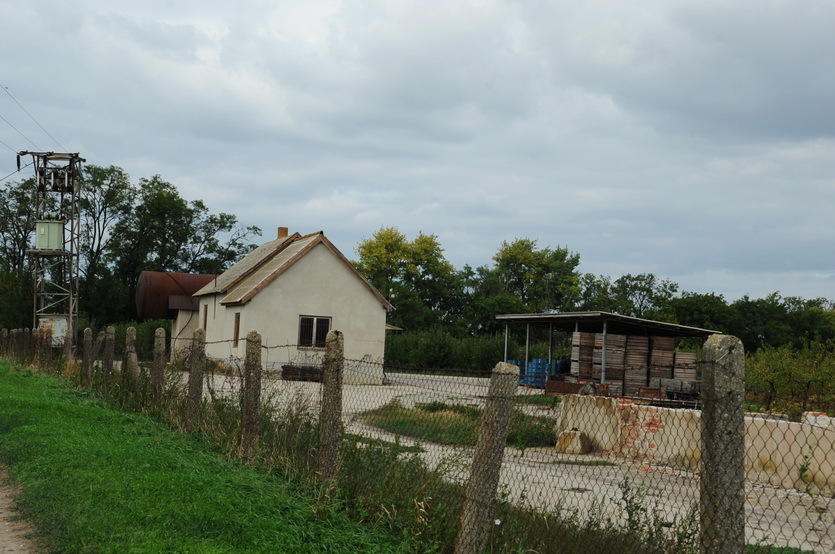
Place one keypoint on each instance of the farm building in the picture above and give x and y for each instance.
(628, 355)
(293, 290)
(165, 295)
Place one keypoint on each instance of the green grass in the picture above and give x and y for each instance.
(538, 400)
(456, 424)
(99, 480)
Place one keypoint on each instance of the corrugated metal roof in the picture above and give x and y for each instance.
(617, 324)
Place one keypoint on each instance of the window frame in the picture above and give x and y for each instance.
(316, 339)
(237, 330)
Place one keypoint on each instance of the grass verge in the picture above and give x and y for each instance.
(456, 424)
(105, 481)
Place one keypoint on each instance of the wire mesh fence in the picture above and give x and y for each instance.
(573, 472)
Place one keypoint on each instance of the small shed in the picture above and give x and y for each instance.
(624, 352)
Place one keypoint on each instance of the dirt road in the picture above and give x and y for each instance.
(12, 533)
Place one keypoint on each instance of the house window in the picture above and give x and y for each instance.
(205, 317)
(313, 331)
(237, 332)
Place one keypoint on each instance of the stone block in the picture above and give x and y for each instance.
(573, 442)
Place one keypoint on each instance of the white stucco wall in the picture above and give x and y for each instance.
(182, 332)
(316, 285)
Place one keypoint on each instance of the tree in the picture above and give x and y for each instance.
(706, 311)
(382, 257)
(643, 295)
(543, 279)
(485, 298)
(164, 232)
(762, 322)
(414, 275)
(106, 198)
(595, 293)
(17, 224)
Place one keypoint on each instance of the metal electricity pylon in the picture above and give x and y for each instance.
(55, 257)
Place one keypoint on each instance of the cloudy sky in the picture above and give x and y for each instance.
(690, 139)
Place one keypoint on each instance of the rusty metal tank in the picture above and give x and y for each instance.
(160, 294)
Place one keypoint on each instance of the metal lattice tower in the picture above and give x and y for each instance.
(55, 258)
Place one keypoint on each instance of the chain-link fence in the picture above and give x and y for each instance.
(473, 463)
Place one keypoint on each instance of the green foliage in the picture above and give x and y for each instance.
(789, 380)
(15, 299)
(17, 224)
(414, 275)
(438, 349)
(542, 279)
(163, 232)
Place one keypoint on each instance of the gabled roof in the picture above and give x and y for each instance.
(241, 282)
(245, 266)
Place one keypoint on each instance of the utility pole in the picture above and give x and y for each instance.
(55, 257)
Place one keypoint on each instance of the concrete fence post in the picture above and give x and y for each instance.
(4, 342)
(477, 515)
(251, 395)
(46, 347)
(195, 378)
(86, 359)
(69, 335)
(330, 416)
(722, 486)
(13, 338)
(94, 354)
(130, 373)
(109, 354)
(27, 345)
(158, 367)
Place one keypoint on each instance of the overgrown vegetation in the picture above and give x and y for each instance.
(456, 424)
(98, 479)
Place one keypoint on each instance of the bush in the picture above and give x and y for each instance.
(438, 349)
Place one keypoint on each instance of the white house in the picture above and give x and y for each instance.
(293, 290)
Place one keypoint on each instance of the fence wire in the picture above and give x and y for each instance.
(578, 472)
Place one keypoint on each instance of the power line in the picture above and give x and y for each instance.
(5, 88)
(16, 171)
(19, 133)
(7, 146)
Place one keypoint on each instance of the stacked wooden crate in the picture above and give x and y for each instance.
(684, 367)
(582, 355)
(661, 357)
(635, 370)
(615, 361)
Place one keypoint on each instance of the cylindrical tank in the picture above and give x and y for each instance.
(156, 289)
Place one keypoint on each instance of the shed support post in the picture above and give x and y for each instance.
(506, 331)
